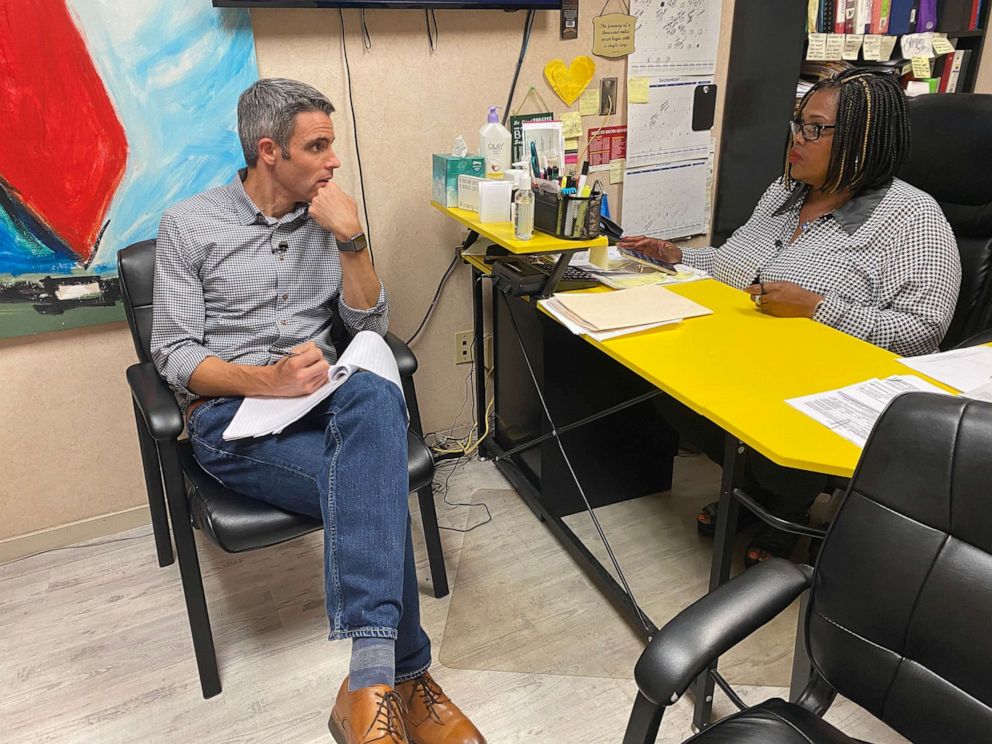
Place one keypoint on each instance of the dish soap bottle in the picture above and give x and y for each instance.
(523, 218)
(494, 145)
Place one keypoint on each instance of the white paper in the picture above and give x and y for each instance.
(852, 411)
(963, 369)
(980, 393)
(667, 201)
(660, 131)
(917, 45)
(676, 37)
(259, 417)
(598, 335)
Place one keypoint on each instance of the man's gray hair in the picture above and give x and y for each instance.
(268, 108)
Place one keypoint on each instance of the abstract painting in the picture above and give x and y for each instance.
(109, 112)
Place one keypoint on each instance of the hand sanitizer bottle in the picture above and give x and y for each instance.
(523, 218)
(494, 145)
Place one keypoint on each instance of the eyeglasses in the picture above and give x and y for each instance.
(811, 132)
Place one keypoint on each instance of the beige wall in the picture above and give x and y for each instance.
(983, 83)
(69, 451)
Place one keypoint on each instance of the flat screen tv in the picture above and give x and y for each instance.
(397, 4)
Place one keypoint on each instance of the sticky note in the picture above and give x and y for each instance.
(616, 170)
(817, 49)
(852, 45)
(887, 46)
(600, 256)
(834, 47)
(921, 67)
(637, 90)
(571, 125)
(572, 144)
(589, 102)
(873, 47)
(941, 45)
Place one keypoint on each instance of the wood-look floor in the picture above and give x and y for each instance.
(95, 646)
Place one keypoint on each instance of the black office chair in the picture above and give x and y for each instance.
(234, 522)
(899, 605)
(952, 150)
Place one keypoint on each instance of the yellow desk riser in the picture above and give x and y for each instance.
(502, 234)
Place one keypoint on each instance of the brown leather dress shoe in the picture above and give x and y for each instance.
(371, 715)
(431, 717)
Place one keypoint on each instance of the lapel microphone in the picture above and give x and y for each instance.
(281, 248)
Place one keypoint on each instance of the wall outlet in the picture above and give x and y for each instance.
(464, 341)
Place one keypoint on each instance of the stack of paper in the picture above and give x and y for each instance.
(852, 411)
(624, 273)
(259, 417)
(964, 369)
(608, 314)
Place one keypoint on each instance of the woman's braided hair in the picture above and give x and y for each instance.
(872, 138)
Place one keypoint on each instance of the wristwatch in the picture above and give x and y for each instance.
(354, 244)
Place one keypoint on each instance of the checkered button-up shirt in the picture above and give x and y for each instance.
(886, 262)
(233, 283)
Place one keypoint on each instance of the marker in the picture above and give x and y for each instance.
(534, 165)
(582, 178)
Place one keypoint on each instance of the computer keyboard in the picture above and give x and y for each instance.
(572, 273)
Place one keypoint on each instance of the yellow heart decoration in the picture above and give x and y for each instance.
(569, 82)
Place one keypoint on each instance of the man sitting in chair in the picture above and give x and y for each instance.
(247, 280)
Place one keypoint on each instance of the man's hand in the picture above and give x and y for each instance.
(653, 247)
(301, 374)
(784, 299)
(336, 212)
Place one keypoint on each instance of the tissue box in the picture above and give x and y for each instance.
(494, 201)
(447, 168)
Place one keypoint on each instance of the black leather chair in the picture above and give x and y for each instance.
(234, 522)
(899, 604)
(952, 153)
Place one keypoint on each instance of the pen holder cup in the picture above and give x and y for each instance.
(567, 217)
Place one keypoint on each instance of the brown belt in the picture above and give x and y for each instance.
(193, 406)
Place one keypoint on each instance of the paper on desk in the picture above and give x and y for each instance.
(625, 308)
(623, 272)
(852, 411)
(259, 417)
(980, 393)
(963, 369)
(579, 330)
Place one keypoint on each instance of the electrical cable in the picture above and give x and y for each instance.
(75, 547)
(528, 24)
(431, 19)
(554, 430)
(354, 127)
(443, 489)
(437, 296)
(366, 36)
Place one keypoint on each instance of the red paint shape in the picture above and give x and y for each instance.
(64, 149)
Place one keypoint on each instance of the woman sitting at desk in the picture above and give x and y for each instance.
(837, 239)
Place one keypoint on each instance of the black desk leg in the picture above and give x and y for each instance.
(734, 456)
(479, 332)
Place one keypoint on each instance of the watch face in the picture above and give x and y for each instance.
(356, 245)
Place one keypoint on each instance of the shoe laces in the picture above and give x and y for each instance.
(431, 694)
(388, 719)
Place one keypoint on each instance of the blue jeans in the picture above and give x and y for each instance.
(345, 463)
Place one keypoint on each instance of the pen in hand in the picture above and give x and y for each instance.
(283, 353)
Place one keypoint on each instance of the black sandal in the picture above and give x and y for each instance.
(769, 542)
(706, 519)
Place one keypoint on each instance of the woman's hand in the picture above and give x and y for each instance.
(653, 247)
(784, 299)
